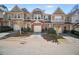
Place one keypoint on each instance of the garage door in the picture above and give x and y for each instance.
(37, 28)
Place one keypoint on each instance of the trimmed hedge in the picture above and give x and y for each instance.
(5, 29)
(75, 32)
(26, 29)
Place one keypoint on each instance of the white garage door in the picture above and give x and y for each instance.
(37, 28)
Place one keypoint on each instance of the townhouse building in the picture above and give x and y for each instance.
(38, 20)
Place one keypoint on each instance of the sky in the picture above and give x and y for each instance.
(49, 8)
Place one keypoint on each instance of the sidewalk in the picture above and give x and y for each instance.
(72, 40)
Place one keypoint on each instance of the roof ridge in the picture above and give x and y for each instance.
(59, 11)
(16, 9)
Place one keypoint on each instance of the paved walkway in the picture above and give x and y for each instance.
(35, 44)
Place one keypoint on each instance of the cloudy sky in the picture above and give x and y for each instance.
(49, 8)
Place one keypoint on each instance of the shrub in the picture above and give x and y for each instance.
(54, 36)
(72, 31)
(26, 29)
(51, 31)
(75, 32)
(23, 29)
(29, 29)
(5, 29)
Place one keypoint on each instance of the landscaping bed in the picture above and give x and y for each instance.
(51, 35)
(17, 34)
(75, 33)
(24, 32)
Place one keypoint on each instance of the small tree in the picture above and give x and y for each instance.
(28, 29)
(51, 31)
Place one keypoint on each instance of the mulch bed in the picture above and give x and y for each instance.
(49, 38)
(17, 35)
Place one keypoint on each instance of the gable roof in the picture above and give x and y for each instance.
(25, 10)
(3, 8)
(37, 10)
(59, 11)
(16, 9)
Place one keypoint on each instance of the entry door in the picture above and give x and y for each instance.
(37, 28)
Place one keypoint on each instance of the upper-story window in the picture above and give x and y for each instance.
(9, 16)
(58, 18)
(28, 17)
(18, 15)
(46, 17)
(25, 16)
(15, 16)
(39, 16)
(77, 20)
(1, 15)
(36, 16)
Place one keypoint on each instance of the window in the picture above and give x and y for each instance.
(38, 17)
(15, 16)
(77, 21)
(18, 15)
(9, 16)
(35, 17)
(1, 15)
(58, 18)
(25, 16)
(28, 18)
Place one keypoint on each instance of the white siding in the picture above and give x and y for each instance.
(75, 17)
(1, 15)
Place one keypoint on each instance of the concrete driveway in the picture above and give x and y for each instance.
(36, 45)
